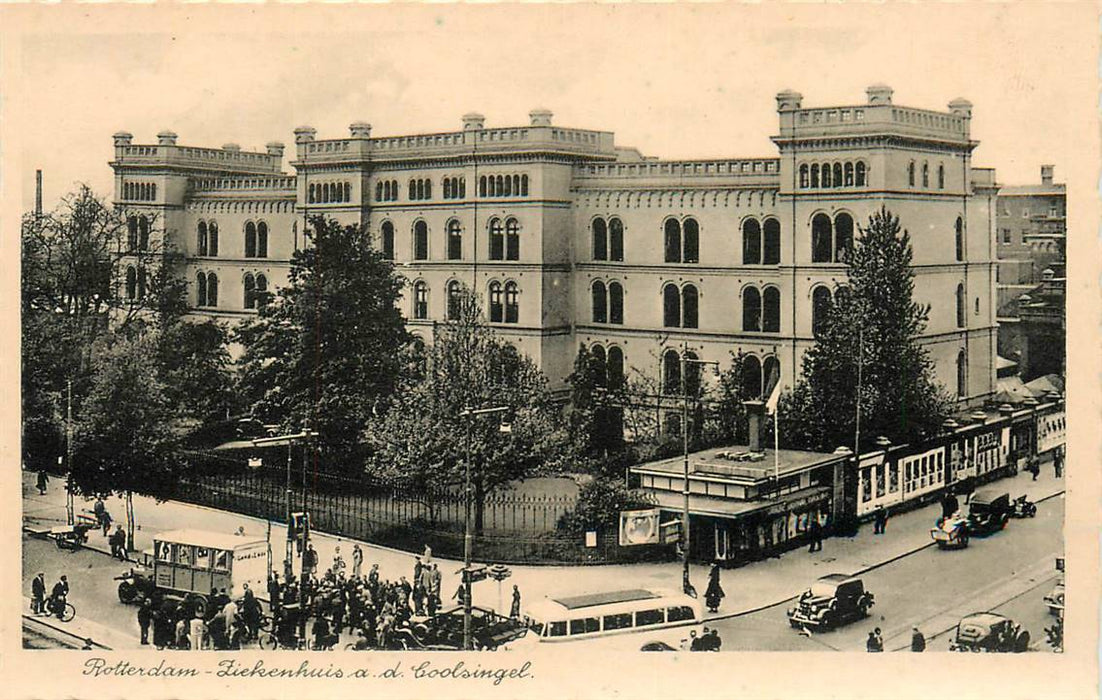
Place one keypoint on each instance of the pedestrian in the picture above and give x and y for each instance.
(714, 592)
(427, 555)
(1034, 467)
(918, 640)
(197, 629)
(145, 616)
(815, 533)
(417, 568)
(434, 583)
(373, 578)
(1058, 462)
(514, 609)
(118, 544)
(715, 642)
(880, 520)
(949, 504)
(38, 594)
(181, 634)
(309, 559)
(460, 594)
(105, 521)
(694, 642)
(338, 561)
(357, 560)
(404, 592)
(43, 480)
(98, 510)
(274, 592)
(875, 642)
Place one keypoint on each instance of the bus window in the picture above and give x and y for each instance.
(164, 551)
(202, 558)
(183, 554)
(617, 622)
(221, 560)
(537, 628)
(679, 613)
(649, 617)
(557, 629)
(585, 625)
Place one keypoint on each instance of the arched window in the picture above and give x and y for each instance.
(803, 176)
(201, 289)
(250, 240)
(960, 239)
(600, 239)
(153, 191)
(261, 291)
(671, 372)
(131, 282)
(512, 305)
(960, 306)
(615, 303)
(420, 241)
(428, 189)
(671, 306)
(770, 372)
(482, 186)
(843, 236)
(820, 239)
(455, 241)
(859, 179)
(453, 300)
(421, 189)
(497, 309)
(692, 373)
(826, 175)
(512, 239)
(821, 299)
(447, 188)
(143, 233)
(496, 186)
(249, 286)
(212, 289)
(388, 240)
(814, 174)
(751, 242)
(420, 300)
(523, 185)
(673, 241)
(201, 236)
(771, 310)
(600, 302)
(378, 191)
(941, 177)
(849, 174)
(508, 186)
(132, 233)
(751, 377)
(837, 174)
(925, 174)
(692, 241)
(462, 187)
(412, 189)
(141, 282)
(262, 240)
(615, 364)
(771, 248)
(212, 239)
(911, 173)
(600, 359)
(497, 240)
(615, 240)
(690, 304)
(751, 309)
(388, 191)
(962, 374)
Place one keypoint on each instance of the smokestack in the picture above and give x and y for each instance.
(38, 193)
(1046, 174)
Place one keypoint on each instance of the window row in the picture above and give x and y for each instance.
(420, 188)
(206, 286)
(386, 191)
(608, 302)
(139, 191)
(503, 186)
(137, 232)
(761, 309)
(135, 283)
(256, 290)
(847, 174)
(608, 239)
(256, 239)
(329, 192)
(455, 187)
(503, 306)
(504, 239)
(753, 374)
(926, 175)
(613, 362)
(682, 240)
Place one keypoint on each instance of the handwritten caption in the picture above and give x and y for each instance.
(98, 667)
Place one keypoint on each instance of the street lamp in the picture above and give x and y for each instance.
(685, 362)
(469, 413)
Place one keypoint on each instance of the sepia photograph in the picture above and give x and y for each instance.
(436, 345)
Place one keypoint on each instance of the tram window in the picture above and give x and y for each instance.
(222, 560)
(679, 613)
(585, 625)
(649, 617)
(617, 622)
(202, 558)
(557, 629)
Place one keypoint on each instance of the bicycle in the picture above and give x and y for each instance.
(67, 613)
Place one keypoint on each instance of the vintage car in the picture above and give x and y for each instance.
(988, 511)
(1055, 599)
(831, 601)
(990, 632)
(951, 532)
(444, 631)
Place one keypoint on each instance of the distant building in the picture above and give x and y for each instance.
(571, 239)
(1042, 328)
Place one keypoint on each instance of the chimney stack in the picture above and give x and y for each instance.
(38, 193)
(166, 138)
(879, 94)
(360, 130)
(275, 149)
(305, 134)
(540, 117)
(755, 410)
(473, 121)
(788, 100)
(1046, 174)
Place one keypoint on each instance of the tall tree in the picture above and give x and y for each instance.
(423, 440)
(872, 328)
(327, 349)
(596, 424)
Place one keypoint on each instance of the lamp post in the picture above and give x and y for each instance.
(685, 362)
(468, 538)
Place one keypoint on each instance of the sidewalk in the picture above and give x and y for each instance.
(749, 588)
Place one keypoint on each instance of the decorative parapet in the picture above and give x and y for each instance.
(168, 154)
(755, 169)
(283, 184)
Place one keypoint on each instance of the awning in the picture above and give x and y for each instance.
(711, 506)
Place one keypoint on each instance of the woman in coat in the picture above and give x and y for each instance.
(715, 593)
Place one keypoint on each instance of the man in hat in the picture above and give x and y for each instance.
(918, 640)
(38, 594)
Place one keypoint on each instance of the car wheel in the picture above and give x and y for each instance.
(197, 604)
(1021, 643)
(127, 592)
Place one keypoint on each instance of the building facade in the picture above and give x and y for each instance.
(570, 239)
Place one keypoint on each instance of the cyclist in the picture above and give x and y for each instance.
(59, 596)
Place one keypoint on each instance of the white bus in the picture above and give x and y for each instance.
(627, 620)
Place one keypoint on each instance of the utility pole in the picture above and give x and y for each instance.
(305, 436)
(686, 362)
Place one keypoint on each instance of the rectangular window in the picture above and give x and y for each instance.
(1006, 235)
(893, 478)
(866, 484)
(585, 625)
(679, 613)
(222, 560)
(649, 617)
(557, 629)
(617, 622)
(880, 481)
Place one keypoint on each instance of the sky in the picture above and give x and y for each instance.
(684, 81)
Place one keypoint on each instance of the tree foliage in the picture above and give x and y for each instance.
(600, 501)
(873, 328)
(326, 350)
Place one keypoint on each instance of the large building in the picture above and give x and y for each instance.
(571, 239)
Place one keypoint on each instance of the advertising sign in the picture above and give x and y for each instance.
(638, 527)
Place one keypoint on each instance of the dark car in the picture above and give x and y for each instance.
(989, 632)
(831, 601)
(988, 511)
(489, 630)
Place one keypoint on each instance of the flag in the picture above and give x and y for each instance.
(775, 393)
